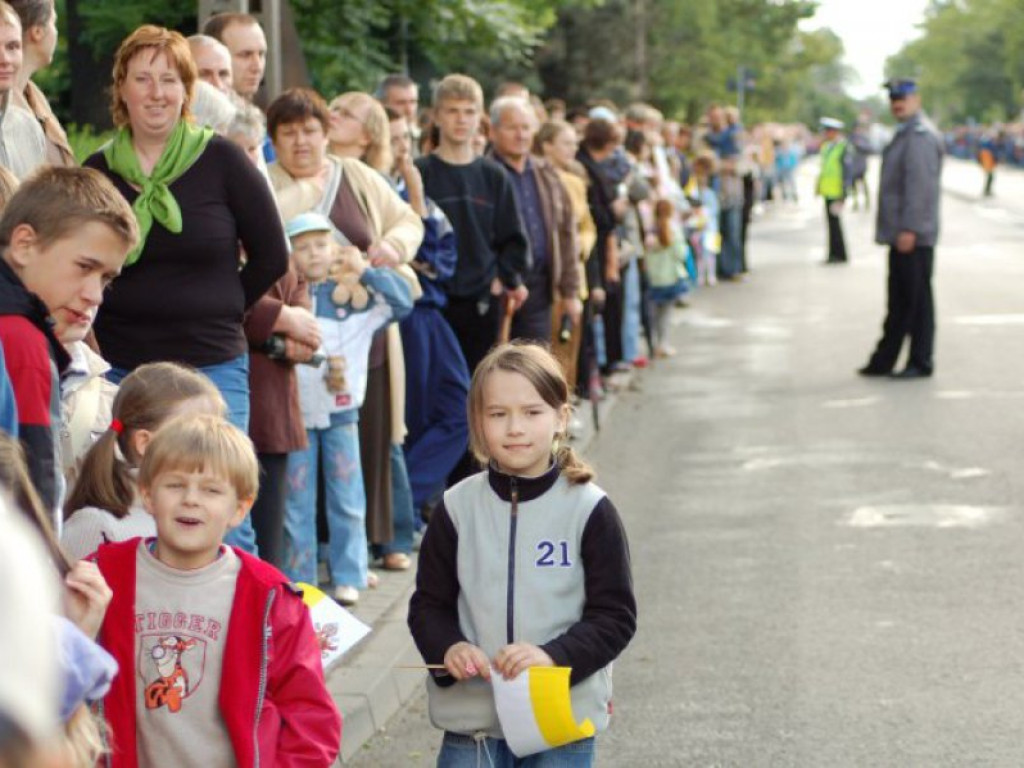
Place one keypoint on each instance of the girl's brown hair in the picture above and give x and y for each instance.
(153, 40)
(541, 369)
(146, 398)
(15, 478)
(664, 210)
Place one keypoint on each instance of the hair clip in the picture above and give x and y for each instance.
(117, 426)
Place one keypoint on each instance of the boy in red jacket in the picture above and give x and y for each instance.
(219, 661)
(63, 238)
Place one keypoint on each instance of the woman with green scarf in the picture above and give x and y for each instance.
(185, 289)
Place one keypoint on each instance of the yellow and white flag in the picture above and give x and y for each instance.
(337, 630)
(535, 710)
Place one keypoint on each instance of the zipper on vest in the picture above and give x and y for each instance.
(510, 613)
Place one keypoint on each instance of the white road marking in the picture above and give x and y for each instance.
(853, 402)
(987, 320)
(700, 320)
(955, 394)
(923, 516)
(969, 473)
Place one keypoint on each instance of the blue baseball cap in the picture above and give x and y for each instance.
(900, 86)
(308, 222)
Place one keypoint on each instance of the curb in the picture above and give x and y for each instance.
(368, 686)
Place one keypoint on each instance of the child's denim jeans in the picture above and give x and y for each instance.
(458, 751)
(345, 504)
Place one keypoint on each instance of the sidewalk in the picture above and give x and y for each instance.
(368, 685)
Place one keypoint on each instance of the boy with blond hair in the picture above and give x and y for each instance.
(478, 199)
(219, 661)
(63, 238)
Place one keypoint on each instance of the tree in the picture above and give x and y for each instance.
(969, 59)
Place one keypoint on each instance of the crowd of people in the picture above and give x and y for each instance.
(990, 146)
(277, 329)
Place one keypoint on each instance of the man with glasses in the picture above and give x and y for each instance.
(908, 222)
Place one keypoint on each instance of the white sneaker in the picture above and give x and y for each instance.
(346, 595)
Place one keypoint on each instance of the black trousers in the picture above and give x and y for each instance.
(268, 511)
(533, 320)
(476, 323)
(836, 242)
(910, 310)
(612, 315)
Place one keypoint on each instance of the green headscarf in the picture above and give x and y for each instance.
(184, 146)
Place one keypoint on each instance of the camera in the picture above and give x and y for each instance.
(275, 347)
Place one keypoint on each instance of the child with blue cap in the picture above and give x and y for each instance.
(351, 301)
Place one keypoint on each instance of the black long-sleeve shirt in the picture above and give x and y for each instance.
(600, 195)
(608, 618)
(480, 203)
(184, 299)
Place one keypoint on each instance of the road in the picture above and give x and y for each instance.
(829, 569)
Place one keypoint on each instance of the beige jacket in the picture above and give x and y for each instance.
(586, 235)
(58, 150)
(390, 219)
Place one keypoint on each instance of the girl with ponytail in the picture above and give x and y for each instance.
(525, 564)
(103, 505)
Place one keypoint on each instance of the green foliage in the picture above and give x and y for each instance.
(694, 48)
(574, 49)
(349, 44)
(342, 41)
(106, 23)
(85, 140)
(969, 59)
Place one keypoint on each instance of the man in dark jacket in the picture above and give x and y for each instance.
(908, 222)
(547, 218)
(478, 199)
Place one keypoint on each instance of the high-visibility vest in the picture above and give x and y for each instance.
(830, 182)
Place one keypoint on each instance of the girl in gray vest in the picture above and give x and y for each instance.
(525, 564)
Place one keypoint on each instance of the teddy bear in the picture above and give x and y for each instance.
(344, 272)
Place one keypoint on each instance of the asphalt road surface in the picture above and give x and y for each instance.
(830, 570)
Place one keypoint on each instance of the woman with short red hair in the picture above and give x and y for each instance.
(183, 292)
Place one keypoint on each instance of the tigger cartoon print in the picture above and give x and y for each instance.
(171, 657)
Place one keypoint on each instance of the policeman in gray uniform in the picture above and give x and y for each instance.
(908, 222)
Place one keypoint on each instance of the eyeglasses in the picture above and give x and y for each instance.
(340, 111)
(897, 97)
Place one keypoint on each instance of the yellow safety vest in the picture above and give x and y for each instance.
(830, 182)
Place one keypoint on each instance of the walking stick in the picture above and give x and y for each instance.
(594, 382)
(505, 332)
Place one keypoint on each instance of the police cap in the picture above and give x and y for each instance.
(900, 86)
